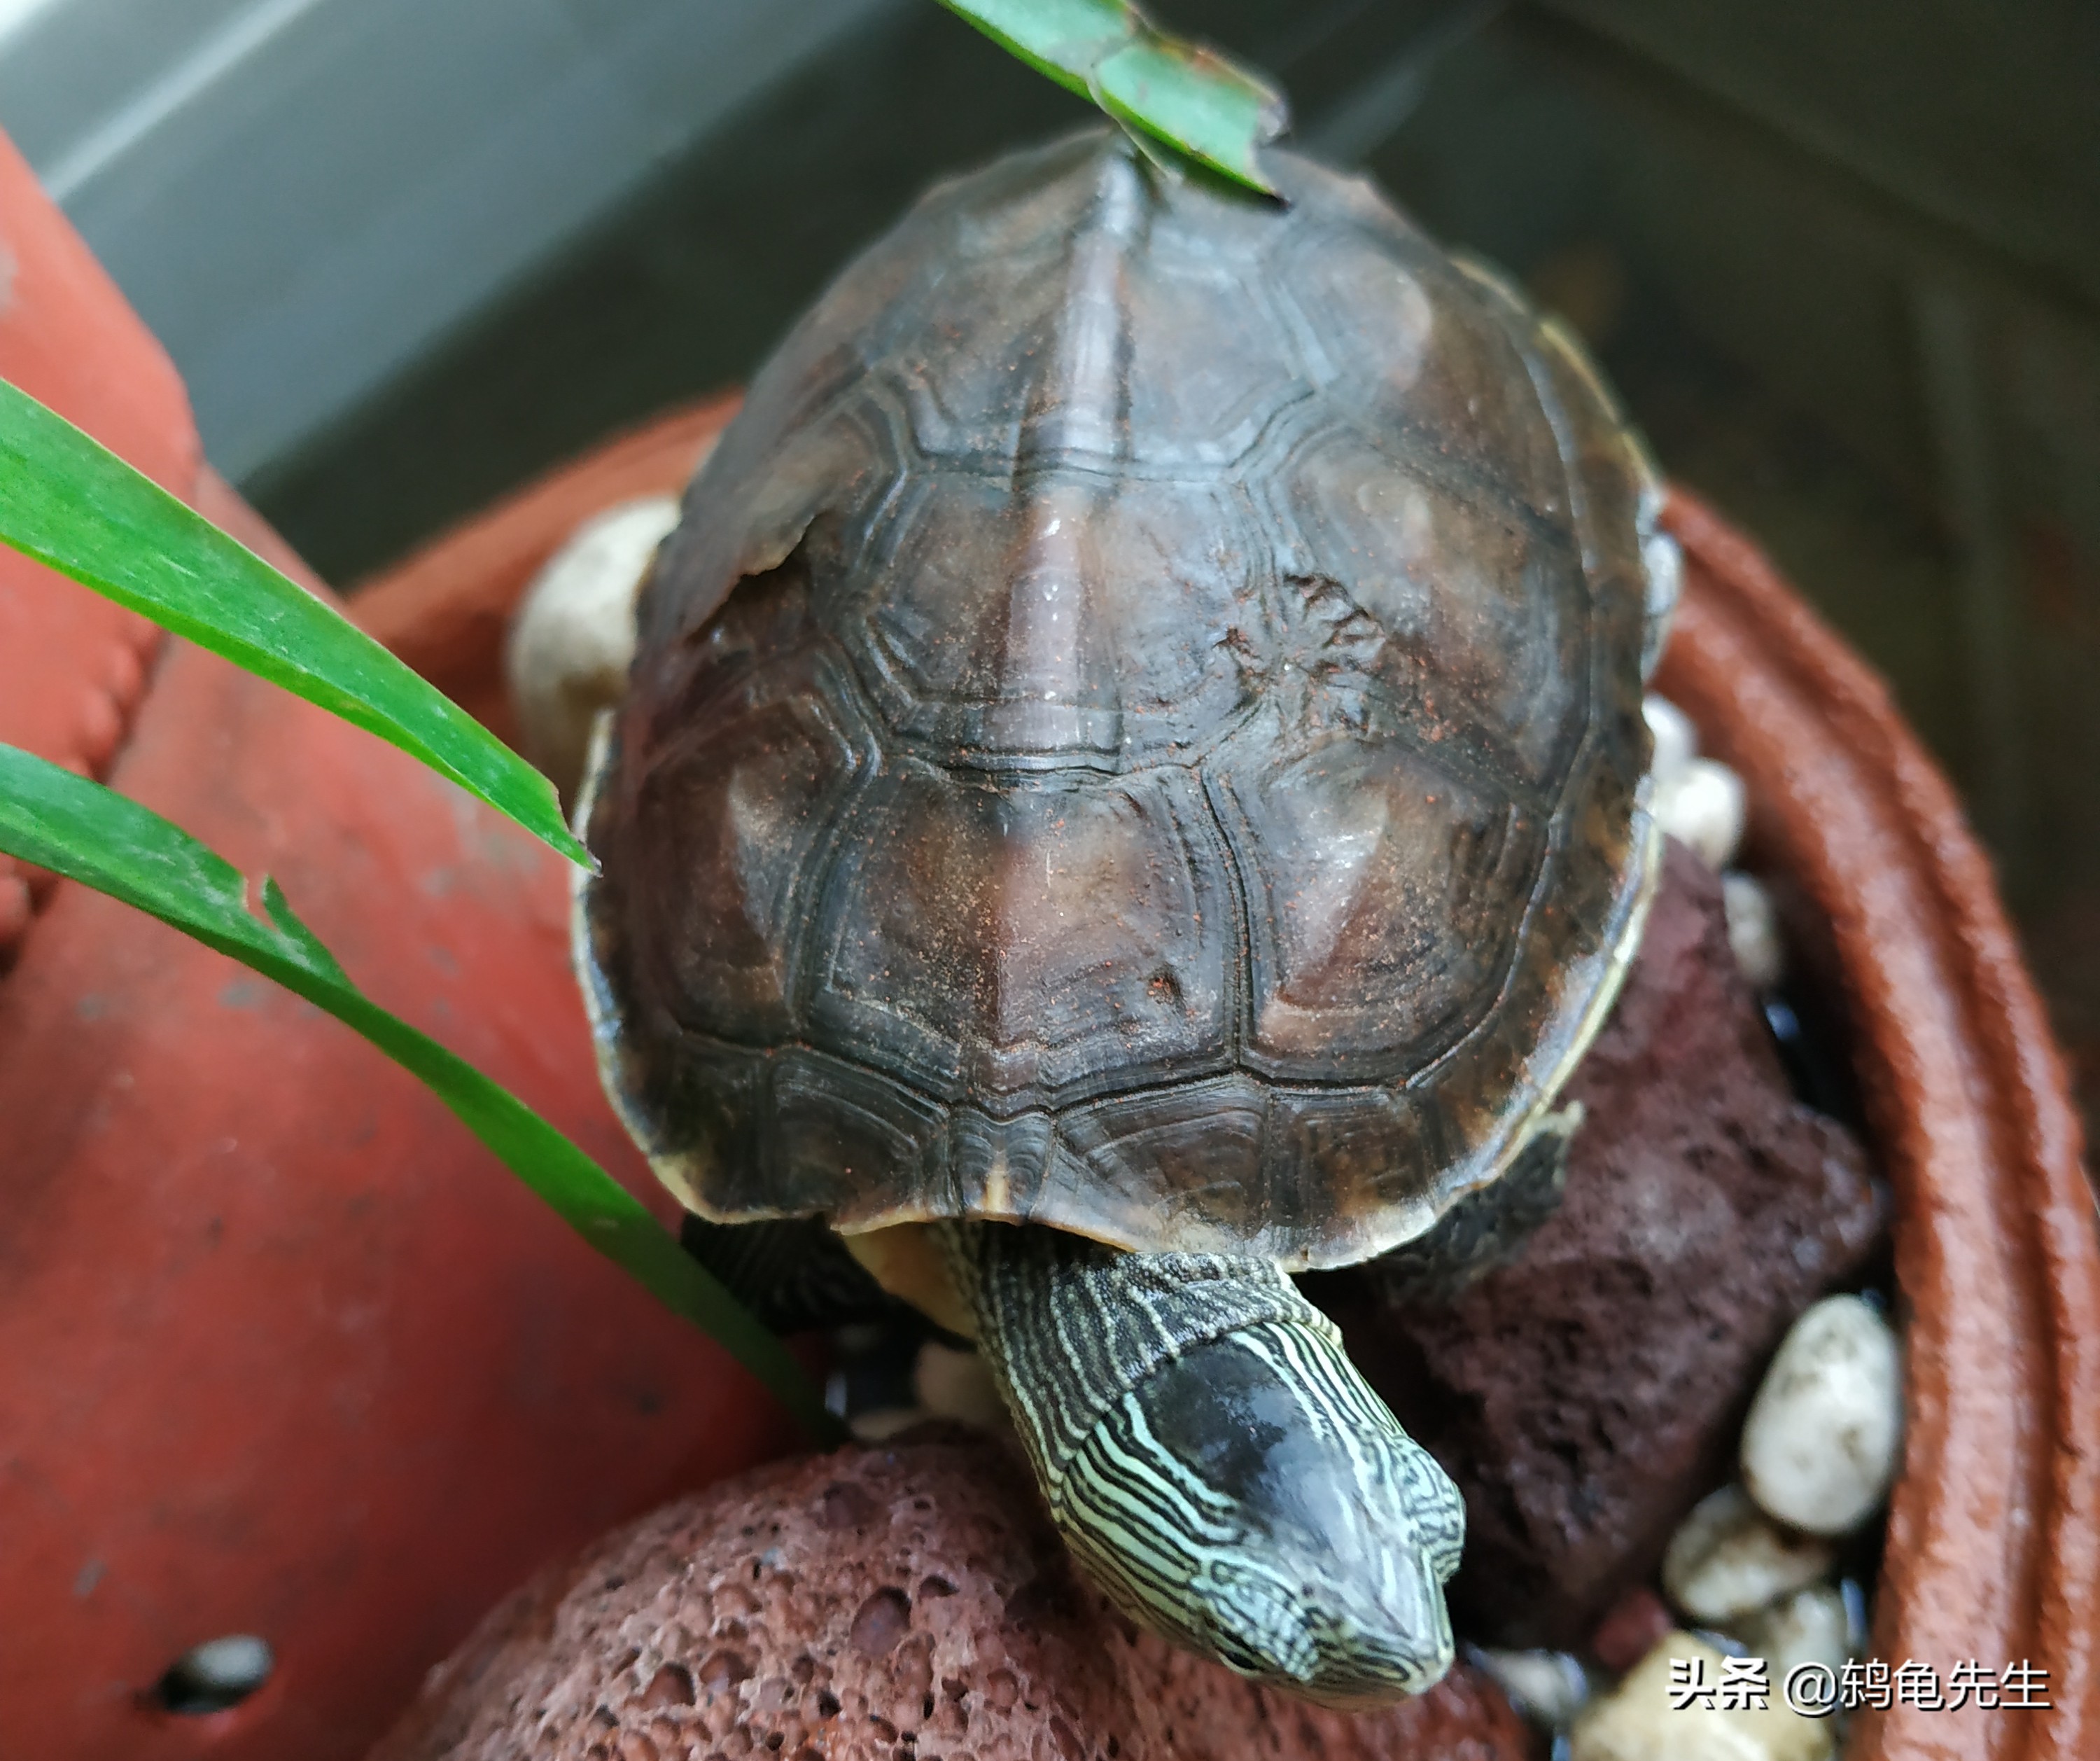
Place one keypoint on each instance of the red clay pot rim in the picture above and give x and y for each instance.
(1993, 1548)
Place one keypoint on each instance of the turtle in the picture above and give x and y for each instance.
(1132, 787)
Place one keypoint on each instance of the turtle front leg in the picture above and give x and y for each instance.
(1212, 1457)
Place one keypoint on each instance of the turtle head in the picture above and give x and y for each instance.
(1331, 1532)
(1212, 1457)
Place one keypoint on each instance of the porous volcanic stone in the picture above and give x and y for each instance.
(908, 1602)
(1585, 1397)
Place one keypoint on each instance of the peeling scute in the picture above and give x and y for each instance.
(811, 494)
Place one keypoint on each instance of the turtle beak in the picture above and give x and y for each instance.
(1365, 1623)
(1348, 1632)
(1378, 1646)
(1387, 1628)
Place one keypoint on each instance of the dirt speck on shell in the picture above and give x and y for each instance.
(902, 1603)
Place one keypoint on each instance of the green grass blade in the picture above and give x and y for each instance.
(92, 835)
(1066, 39)
(1211, 110)
(72, 504)
(1190, 97)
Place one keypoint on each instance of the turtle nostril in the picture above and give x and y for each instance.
(214, 1676)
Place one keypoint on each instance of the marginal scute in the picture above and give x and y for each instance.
(1206, 1138)
(808, 494)
(1074, 344)
(1140, 730)
(967, 395)
(1195, 407)
(1351, 1153)
(697, 1108)
(1008, 1161)
(1024, 206)
(840, 1126)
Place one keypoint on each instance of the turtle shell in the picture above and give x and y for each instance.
(1138, 728)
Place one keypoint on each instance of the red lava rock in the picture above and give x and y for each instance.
(884, 1618)
(1638, 1622)
(1585, 1397)
(1196, 1712)
(769, 1617)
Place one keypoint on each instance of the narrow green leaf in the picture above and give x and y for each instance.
(72, 504)
(1208, 108)
(1065, 39)
(91, 834)
(1191, 97)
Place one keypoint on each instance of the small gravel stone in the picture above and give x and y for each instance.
(1729, 1560)
(572, 637)
(1665, 564)
(1753, 935)
(881, 1423)
(1810, 1626)
(1550, 1688)
(1676, 740)
(959, 1385)
(1645, 1718)
(1705, 807)
(1859, 1616)
(234, 1666)
(1825, 1432)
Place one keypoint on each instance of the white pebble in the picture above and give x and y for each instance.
(1811, 1626)
(1547, 1687)
(237, 1664)
(1728, 1559)
(1821, 1443)
(1754, 935)
(1665, 584)
(958, 1385)
(1676, 740)
(572, 636)
(881, 1423)
(1704, 806)
(1641, 1720)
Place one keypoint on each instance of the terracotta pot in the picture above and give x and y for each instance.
(1994, 1539)
(282, 1350)
(73, 663)
(1994, 1531)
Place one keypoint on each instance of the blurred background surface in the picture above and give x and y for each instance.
(1843, 263)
